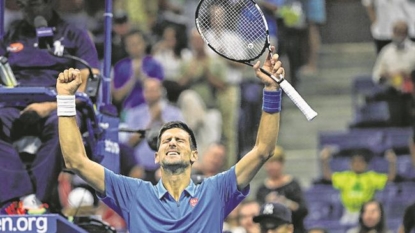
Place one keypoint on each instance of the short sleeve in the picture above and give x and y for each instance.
(120, 189)
(228, 189)
(378, 180)
(338, 179)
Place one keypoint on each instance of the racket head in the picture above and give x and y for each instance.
(236, 30)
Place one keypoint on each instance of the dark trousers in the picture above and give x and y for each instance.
(42, 178)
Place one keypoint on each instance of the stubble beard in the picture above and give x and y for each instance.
(175, 168)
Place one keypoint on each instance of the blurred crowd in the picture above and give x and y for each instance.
(163, 71)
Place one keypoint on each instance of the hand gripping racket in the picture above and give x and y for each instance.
(237, 30)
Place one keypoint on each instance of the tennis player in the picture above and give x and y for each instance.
(175, 204)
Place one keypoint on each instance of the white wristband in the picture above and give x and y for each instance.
(66, 105)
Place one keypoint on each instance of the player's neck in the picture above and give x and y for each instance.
(176, 183)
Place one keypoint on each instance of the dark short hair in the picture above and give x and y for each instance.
(180, 125)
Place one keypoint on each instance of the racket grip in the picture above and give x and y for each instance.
(308, 112)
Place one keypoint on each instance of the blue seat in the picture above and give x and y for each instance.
(405, 167)
(369, 139)
(373, 114)
(363, 87)
(323, 203)
(379, 164)
(389, 192)
(393, 223)
(397, 138)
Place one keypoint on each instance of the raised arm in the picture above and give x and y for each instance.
(391, 158)
(268, 130)
(325, 156)
(70, 138)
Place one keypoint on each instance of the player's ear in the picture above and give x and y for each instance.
(194, 156)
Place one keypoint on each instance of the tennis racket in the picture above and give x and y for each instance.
(237, 30)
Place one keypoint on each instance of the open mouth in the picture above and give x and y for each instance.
(172, 153)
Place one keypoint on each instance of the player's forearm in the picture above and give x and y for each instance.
(250, 164)
(267, 134)
(71, 143)
(75, 157)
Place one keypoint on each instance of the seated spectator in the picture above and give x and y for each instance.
(149, 115)
(357, 186)
(408, 222)
(212, 161)
(282, 188)
(396, 60)
(247, 210)
(274, 218)
(24, 191)
(130, 72)
(371, 219)
(393, 69)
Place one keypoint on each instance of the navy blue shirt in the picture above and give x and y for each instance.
(33, 66)
(150, 208)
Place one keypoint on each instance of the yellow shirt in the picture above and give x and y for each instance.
(356, 189)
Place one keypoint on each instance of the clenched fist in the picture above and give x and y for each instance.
(68, 82)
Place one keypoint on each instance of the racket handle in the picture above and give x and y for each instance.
(308, 112)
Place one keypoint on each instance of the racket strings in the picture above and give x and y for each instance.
(235, 29)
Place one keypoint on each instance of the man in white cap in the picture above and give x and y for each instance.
(274, 218)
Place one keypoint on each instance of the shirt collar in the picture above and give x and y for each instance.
(190, 189)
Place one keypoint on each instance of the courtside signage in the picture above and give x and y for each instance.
(29, 224)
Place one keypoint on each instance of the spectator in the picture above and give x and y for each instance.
(293, 37)
(284, 189)
(141, 12)
(274, 218)
(396, 60)
(149, 115)
(316, 16)
(247, 210)
(130, 72)
(393, 69)
(371, 219)
(383, 14)
(357, 185)
(408, 223)
(212, 161)
(23, 191)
